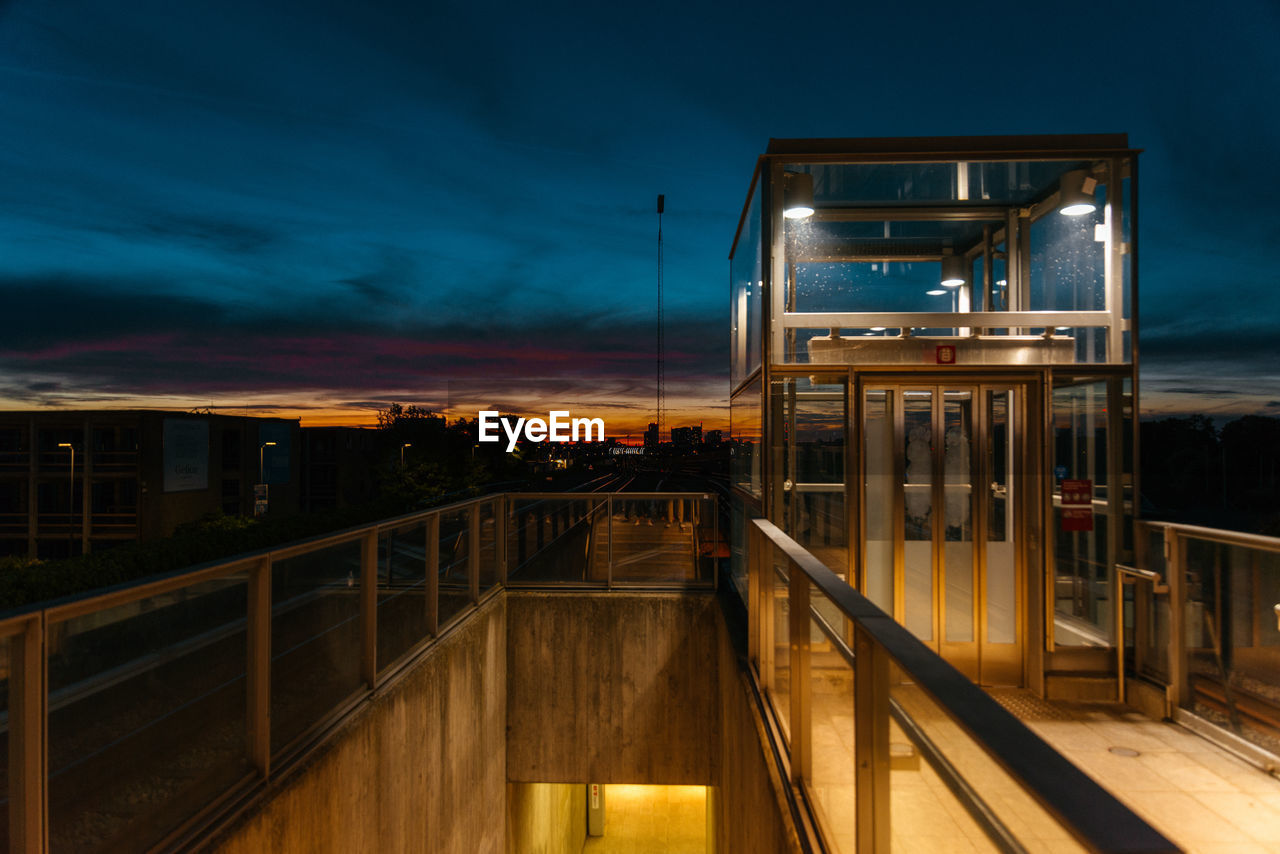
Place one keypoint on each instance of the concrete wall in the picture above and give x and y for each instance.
(420, 768)
(612, 688)
(750, 815)
(546, 818)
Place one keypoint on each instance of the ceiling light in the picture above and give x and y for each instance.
(877, 329)
(1075, 193)
(936, 292)
(953, 272)
(797, 195)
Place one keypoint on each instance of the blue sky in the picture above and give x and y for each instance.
(321, 207)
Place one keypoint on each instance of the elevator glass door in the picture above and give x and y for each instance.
(941, 519)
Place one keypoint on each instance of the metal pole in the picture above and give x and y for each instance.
(871, 744)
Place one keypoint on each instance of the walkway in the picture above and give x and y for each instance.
(1197, 794)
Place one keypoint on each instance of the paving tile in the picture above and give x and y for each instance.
(1255, 818)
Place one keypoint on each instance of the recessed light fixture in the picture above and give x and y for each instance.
(953, 272)
(1075, 193)
(877, 329)
(936, 292)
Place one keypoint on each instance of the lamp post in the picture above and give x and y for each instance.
(402, 447)
(71, 498)
(261, 449)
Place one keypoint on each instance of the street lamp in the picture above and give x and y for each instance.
(402, 447)
(262, 448)
(71, 498)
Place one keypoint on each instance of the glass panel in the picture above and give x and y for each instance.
(884, 262)
(957, 421)
(916, 790)
(1232, 640)
(810, 442)
(315, 638)
(559, 540)
(662, 539)
(744, 413)
(746, 274)
(780, 683)
(1004, 183)
(878, 456)
(1151, 617)
(1082, 594)
(917, 415)
(146, 715)
(1001, 500)
(402, 591)
(831, 724)
(738, 546)
(8, 648)
(488, 545)
(455, 586)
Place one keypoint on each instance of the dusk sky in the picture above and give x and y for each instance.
(317, 208)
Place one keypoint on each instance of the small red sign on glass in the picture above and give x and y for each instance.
(1077, 492)
(1077, 519)
(946, 354)
(1077, 505)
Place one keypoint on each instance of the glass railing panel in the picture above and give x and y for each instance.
(557, 540)
(1151, 625)
(402, 592)
(779, 615)
(488, 521)
(831, 728)
(933, 752)
(146, 715)
(8, 648)
(454, 583)
(1231, 638)
(660, 539)
(315, 638)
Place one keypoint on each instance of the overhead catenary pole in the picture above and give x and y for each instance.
(661, 370)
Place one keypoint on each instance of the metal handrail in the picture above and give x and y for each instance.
(1090, 813)
(1218, 535)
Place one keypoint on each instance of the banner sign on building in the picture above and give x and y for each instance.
(1077, 505)
(186, 454)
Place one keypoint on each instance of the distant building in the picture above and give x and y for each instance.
(137, 474)
(686, 437)
(337, 466)
(712, 438)
(651, 437)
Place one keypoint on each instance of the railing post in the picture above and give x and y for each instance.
(715, 542)
(1119, 600)
(798, 630)
(609, 517)
(1174, 554)
(28, 826)
(473, 552)
(433, 573)
(258, 667)
(871, 744)
(500, 537)
(522, 535)
(369, 608)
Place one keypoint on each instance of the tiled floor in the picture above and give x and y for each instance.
(1198, 795)
(1202, 798)
(651, 819)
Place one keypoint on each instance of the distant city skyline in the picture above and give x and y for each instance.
(314, 210)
